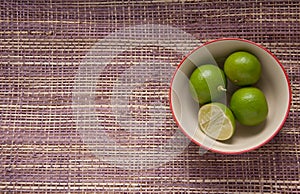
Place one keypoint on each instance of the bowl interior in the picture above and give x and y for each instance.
(273, 83)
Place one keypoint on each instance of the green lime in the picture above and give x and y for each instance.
(242, 68)
(207, 83)
(249, 106)
(217, 121)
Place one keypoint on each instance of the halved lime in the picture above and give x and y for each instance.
(216, 121)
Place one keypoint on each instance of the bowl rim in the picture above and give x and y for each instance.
(251, 148)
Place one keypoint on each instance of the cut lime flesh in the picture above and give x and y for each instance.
(216, 121)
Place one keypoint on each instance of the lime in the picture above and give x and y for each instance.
(249, 106)
(216, 120)
(242, 68)
(207, 83)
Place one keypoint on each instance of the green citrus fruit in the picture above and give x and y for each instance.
(207, 83)
(217, 121)
(242, 68)
(249, 106)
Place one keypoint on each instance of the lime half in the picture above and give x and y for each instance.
(216, 121)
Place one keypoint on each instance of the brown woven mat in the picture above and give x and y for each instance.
(84, 96)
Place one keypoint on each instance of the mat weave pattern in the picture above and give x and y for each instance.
(43, 44)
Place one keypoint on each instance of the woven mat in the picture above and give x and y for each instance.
(84, 96)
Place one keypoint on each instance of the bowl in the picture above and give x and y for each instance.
(274, 83)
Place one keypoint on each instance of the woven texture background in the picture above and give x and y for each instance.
(42, 46)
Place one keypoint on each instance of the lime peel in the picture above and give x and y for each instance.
(206, 82)
(249, 106)
(242, 68)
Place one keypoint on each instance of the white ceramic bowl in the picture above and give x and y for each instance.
(273, 82)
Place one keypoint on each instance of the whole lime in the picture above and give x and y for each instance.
(207, 83)
(249, 106)
(242, 68)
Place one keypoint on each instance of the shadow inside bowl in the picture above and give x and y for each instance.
(243, 131)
